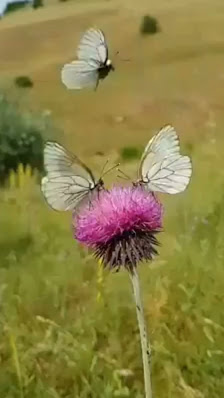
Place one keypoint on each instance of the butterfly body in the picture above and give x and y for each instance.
(99, 185)
(92, 64)
(105, 69)
(137, 183)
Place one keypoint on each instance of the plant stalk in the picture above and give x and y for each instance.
(145, 345)
(99, 297)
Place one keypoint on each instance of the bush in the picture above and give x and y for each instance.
(37, 3)
(129, 153)
(21, 138)
(149, 25)
(15, 6)
(23, 82)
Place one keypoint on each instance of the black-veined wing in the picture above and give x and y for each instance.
(80, 74)
(93, 46)
(68, 180)
(162, 168)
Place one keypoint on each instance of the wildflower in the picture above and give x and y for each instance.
(120, 226)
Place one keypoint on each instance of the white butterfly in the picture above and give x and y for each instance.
(162, 168)
(68, 180)
(92, 63)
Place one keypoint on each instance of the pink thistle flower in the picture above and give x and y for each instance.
(120, 226)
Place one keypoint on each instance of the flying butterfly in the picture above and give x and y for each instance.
(92, 64)
(68, 181)
(162, 168)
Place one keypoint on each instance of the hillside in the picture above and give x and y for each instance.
(175, 76)
(68, 328)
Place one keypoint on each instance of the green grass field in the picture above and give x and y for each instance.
(57, 339)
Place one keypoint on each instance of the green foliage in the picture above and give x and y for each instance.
(15, 6)
(59, 341)
(23, 82)
(149, 25)
(38, 3)
(21, 138)
(130, 153)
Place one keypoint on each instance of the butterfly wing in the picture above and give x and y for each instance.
(166, 142)
(80, 74)
(62, 193)
(169, 175)
(68, 180)
(162, 168)
(93, 46)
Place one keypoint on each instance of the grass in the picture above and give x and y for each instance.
(168, 77)
(57, 338)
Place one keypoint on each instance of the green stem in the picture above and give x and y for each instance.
(146, 349)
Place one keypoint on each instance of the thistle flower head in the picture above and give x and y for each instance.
(120, 226)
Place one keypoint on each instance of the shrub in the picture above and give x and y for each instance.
(23, 82)
(149, 25)
(21, 138)
(37, 3)
(129, 153)
(15, 6)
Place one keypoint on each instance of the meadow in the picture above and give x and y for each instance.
(68, 329)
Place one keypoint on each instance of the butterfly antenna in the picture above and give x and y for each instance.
(111, 168)
(122, 59)
(102, 171)
(125, 176)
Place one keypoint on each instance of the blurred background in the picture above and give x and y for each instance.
(68, 328)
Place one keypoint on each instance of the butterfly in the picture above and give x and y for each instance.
(68, 181)
(162, 168)
(92, 64)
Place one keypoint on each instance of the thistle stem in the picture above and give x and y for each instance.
(99, 296)
(146, 349)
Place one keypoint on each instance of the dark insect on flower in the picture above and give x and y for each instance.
(120, 226)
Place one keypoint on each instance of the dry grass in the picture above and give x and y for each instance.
(57, 340)
(175, 76)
